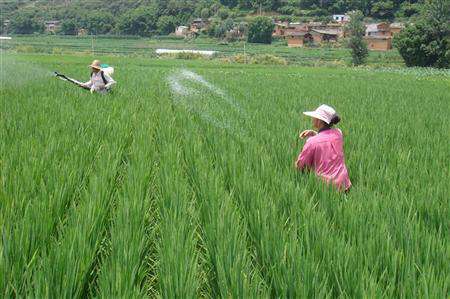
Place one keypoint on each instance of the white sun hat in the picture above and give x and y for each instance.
(324, 112)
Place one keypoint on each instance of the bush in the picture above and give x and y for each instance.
(265, 59)
(383, 9)
(26, 49)
(220, 31)
(99, 23)
(408, 9)
(188, 56)
(420, 45)
(25, 22)
(356, 43)
(69, 27)
(57, 51)
(223, 28)
(166, 25)
(211, 29)
(140, 21)
(285, 18)
(223, 13)
(426, 42)
(287, 10)
(183, 55)
(260, 30)
(268, 59)
(205, 13)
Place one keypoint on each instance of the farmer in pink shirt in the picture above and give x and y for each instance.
(323, 151)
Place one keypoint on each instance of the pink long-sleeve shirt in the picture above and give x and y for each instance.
(324, 153)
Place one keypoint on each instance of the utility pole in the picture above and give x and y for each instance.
(92, 45)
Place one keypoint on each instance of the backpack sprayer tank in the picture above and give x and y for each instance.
(108, 70)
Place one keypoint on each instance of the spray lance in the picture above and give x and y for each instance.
(73, 81)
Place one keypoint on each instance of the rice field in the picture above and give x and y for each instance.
(180, 184)
(128, 46)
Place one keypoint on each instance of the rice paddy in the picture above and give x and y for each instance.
(180, 183)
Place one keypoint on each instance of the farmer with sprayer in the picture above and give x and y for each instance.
(101, 80)
(323, 151)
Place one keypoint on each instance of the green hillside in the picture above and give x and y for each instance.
(160, 16)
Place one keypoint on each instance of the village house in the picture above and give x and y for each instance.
(296, 27)
(379, 43)
(378, 29)
(299, 34)
(82, 32)
(298, 39)
(334, 27)
(379, 35)
(51, 26)
(341, 18)
(198, 24)
(396, 28)
(181, 31)
(6, 25)
(279, 29)
(322, 35)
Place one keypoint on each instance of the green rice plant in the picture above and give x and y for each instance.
(32, 210)
(231, 273)
(177, 265)
(123, 270)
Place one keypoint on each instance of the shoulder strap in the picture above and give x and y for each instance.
(103, 77)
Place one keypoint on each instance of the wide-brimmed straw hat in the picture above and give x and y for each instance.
(96, 65)
(324, 112)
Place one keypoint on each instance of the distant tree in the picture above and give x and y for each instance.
(69, 27)
(185, 10)
(245, 4)
(229, 24)
(211, 29)
(260, 30)
(205, 13)
(356, 43)
(220, 31)
(166, 25)
(223, 13)
(408, 9)
(383, 9)
(229, 3)
(26, 22)
(261, 5)
(140, 21)
(223, 27)
(287, 10)
(242, 28)
(426, 43)
(99, 22)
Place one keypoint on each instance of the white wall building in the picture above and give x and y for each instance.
(341, 18)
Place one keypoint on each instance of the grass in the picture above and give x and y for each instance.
(190, 192)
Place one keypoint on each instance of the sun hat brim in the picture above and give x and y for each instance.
(95, 67)
(316, 115)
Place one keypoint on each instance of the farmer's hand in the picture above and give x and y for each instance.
(307, 133)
